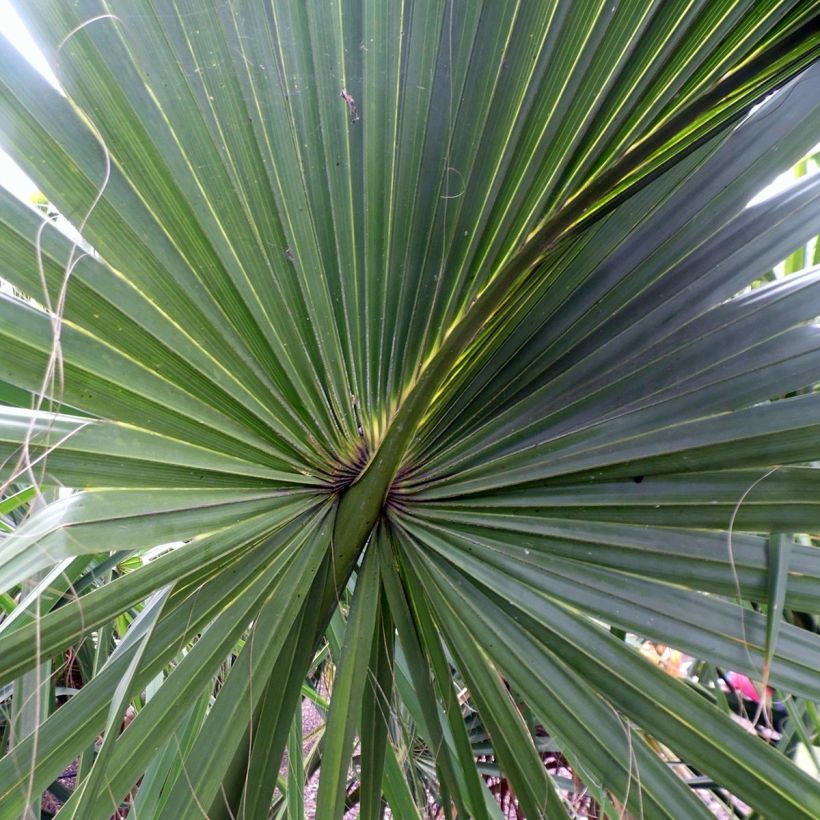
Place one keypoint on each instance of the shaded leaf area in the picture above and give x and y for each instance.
(412, 356)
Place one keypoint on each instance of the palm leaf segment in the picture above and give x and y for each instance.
(445, 293)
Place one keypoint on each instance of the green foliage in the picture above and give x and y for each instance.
(414, 355)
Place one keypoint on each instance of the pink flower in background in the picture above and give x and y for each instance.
(744, 686)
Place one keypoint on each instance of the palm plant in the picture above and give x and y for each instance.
(441, 305)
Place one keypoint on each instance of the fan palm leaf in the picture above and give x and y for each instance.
(441, 309)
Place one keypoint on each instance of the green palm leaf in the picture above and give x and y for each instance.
(418, 335)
